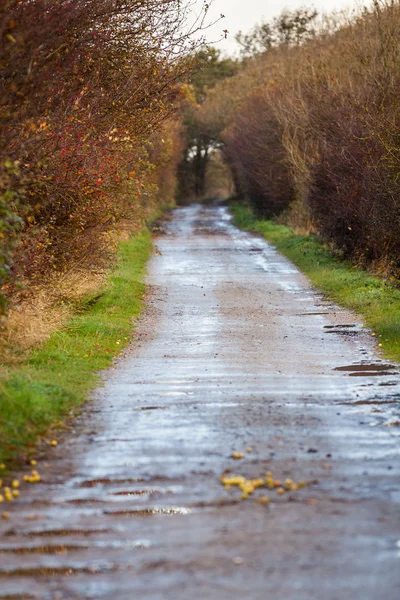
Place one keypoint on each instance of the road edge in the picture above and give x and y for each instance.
(55, 379)
(374, 298)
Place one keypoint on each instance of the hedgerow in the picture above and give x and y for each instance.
(310, 127)
(88, 96)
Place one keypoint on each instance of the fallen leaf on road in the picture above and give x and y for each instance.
(237, 455)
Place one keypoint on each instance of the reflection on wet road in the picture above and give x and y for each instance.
(236, 351)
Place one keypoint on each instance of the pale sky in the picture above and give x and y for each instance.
(244, 14)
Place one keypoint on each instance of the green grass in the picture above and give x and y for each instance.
(56, 377)
(373, 297)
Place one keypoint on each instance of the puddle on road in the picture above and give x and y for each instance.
(217, 504)
(83, 501)
(149, 512)
(349, 333)
(173, 394)
(56, 549)
(339, 326)
(309, 314)
(152, 407)
(166, 382)
(368, 402)
(53, 571)
(371, 374)
(136, 493)
(366, 367)
(173, 382)
(60, 532)
(367, 370)
(106, 481)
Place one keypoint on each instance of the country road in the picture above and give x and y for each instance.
(235, 352)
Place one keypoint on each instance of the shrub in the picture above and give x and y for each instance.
(86, 92)
(312, 123)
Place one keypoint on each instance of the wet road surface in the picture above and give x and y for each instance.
(235, 350)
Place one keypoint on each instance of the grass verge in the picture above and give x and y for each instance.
(371, 296)
(56, 377)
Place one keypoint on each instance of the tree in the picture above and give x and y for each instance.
(290, 28)
(201, 139)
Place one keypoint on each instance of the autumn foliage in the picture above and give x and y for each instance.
(310, 127)
(89, 138)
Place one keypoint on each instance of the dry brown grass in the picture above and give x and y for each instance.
(33, 317)
(31, 321)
